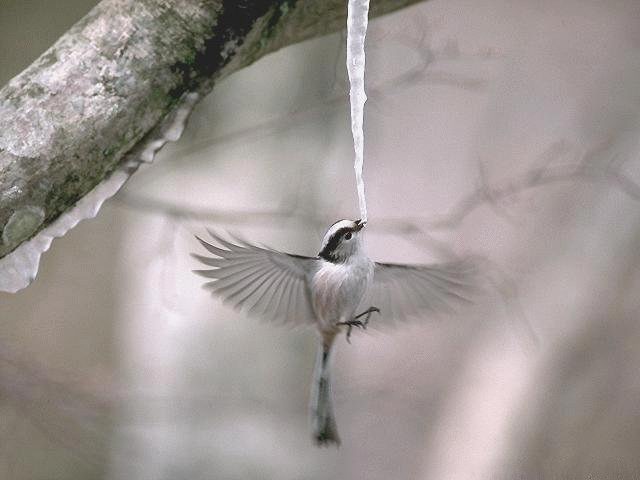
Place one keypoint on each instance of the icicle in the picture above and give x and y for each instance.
(357, 20)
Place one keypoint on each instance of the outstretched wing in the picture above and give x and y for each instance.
(405, 291)
(258, 280)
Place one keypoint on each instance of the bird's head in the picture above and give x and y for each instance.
(342, 241)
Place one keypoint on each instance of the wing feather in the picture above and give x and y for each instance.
(282, 301)
(250, 295)
(231, 282)
(249, 285)
(258, 279)
(287, 299)
(406, 291)
(273, 296)
(260, 307)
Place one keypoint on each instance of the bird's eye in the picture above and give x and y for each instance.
(347, 236)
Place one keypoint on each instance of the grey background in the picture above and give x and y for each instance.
(116, 364)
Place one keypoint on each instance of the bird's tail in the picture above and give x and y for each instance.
(323, 422)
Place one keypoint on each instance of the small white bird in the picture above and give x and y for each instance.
(326, 291)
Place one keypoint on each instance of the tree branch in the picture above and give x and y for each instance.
(109, 90)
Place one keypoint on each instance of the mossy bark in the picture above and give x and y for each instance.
(70, 118)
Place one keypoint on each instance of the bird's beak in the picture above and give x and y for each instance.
(360, 225)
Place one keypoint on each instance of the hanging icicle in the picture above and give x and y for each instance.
(357, 20)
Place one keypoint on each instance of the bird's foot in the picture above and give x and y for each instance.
(359, 323)
(350, 324)
(368, 313)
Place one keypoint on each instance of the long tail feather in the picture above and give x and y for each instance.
(323, 422)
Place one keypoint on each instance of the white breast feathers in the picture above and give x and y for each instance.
(337, 289)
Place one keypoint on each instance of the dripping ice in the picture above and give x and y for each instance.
(19, 268)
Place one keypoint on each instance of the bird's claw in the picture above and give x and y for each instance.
(368, 313)
(359, 323)
(350, 324)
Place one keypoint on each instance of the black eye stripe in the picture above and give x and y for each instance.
(333, 242)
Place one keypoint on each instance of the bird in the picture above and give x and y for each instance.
(325, 292)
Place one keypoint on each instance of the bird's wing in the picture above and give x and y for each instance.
(258, 280)
(406, 291)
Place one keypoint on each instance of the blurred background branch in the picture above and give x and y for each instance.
(548, 169)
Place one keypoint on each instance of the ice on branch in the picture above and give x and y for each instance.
(19, 268)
